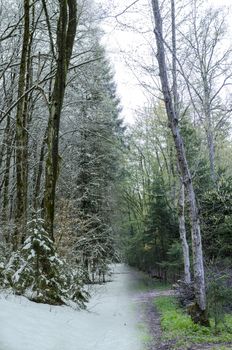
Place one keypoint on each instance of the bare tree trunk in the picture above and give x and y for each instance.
(66, 31)
(181, 201)
(211, 148)
(208, 124)
(198, 267)
(6, 180)
(21, 133)
(38, 174)
(182, 230)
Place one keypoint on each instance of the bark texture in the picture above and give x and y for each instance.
(181, 199)
(66, 31)
(198, 267)
(22, 134)
(182, 230)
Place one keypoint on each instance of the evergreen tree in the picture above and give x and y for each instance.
(37, 272)
(95, 167)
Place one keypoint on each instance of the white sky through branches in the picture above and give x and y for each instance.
(128, 40)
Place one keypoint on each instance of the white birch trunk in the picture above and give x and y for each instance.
(182, 230)
(198, 267)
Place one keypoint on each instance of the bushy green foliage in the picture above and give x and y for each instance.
(37, 272)
(154, 246)
(174, 260)
(198, 162)
(216, 213)
(151, 193)
(219, 297)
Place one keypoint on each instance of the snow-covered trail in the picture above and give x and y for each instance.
(109, 323)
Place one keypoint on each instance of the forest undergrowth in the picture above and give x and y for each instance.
(181, 333)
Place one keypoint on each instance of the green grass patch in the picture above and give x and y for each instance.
(177, 325)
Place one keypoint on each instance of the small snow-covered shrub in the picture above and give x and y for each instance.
(37, 272)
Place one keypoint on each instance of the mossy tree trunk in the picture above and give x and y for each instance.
(9, 140)
(66, 31)
(22, 132)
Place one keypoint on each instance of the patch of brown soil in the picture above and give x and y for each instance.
(151, 318)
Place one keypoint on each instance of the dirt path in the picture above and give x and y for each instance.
(151, 318)
(147, 313)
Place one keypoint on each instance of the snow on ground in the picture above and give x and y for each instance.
(109, 323)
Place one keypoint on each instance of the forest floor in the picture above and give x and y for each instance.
(120, 315)
(150, 318)
(155, 339)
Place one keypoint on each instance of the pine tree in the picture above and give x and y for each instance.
(37, 272)
(96, 150)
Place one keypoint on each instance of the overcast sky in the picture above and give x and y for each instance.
(128, 43)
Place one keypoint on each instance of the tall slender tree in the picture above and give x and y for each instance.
(66, 31)
(21, 130)
(198, 265)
